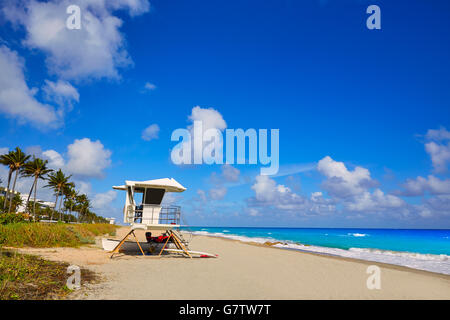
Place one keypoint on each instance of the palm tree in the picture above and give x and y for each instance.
(71, 195)
(5, 159)
(18, 160)
(58, 181)
(37, 168)
(83, 204)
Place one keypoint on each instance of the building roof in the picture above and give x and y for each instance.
(169, 184)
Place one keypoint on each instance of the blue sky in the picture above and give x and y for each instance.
(363, 114)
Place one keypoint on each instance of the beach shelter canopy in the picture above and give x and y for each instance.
(169, 184)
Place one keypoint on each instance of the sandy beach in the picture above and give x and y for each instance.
(243, 271)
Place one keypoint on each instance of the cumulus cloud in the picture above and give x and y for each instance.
(55, 160)
(87, 158)
(269, 194)
(342, 182)
(438, 148)
(84, 159)
(209, 117)
(97, 50)
(150, 133)
(62, 93)
(418, 186)
(440, 155)
(102, 200)
(438, 135)
(17, 100)
(208, 120)
(374, 202)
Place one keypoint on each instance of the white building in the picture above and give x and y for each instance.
(42, 203)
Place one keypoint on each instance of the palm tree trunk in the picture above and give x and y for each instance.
(13, 189)
(7, 189)
(56, 201)
(34, 203)
(71, 206)
(29, 195)
(59, 209)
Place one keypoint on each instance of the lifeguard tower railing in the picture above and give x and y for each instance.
(159, 214)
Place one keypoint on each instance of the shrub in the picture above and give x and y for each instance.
(6, 218)
(41, 235)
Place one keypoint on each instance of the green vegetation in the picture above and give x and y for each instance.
(42, 235)
(27, 277)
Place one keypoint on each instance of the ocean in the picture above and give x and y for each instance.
(415, 248)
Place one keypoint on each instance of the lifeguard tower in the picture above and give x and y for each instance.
(143, 210)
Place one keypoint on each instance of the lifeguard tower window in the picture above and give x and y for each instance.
(153, 196)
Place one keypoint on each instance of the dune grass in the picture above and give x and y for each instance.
(27, 277)
(41, 235)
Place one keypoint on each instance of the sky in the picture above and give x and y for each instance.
(363, 115)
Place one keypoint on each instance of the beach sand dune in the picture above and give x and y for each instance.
(245, 271)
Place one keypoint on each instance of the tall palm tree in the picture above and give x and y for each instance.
(37, 168)
(58, 181)
(6, 160)
(83, 204)
(71, 195)
(18, 159)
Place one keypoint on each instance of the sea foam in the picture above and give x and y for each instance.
(427, 262)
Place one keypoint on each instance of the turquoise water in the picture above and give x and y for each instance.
(404, 240)
(420, 249)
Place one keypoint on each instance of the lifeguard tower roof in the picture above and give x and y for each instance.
(169, 184)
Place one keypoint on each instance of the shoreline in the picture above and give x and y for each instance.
(331, 256)
(382, 254)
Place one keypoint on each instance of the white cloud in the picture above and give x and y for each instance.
(87, 158)
(217, 193)
(438, 135)
(438, 148)
(55, 160)
(269, 194)
(151, 132)
(342, 182)
(210, 119)
(374, 202)
(84, 159)
(440, 155)
(432, 184)
(96, 51)
(103, 200)
(149, 86)
(62, 93)
(16, 98)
